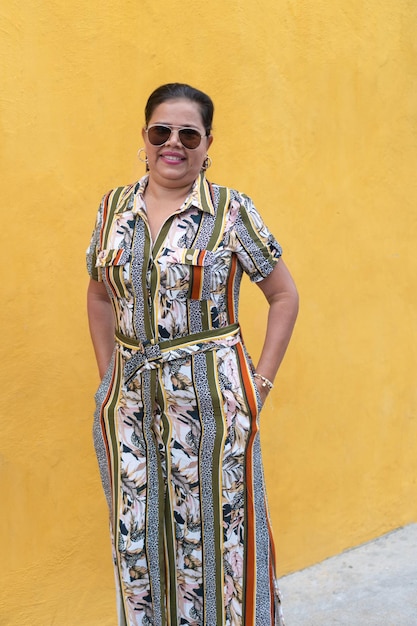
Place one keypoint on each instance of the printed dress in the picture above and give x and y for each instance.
(176, 428)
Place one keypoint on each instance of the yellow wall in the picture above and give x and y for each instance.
(316, 119)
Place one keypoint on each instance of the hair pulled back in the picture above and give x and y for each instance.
(174, 91)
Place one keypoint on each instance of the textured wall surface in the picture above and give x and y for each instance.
(316, 119)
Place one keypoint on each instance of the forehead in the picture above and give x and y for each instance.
(179, 112)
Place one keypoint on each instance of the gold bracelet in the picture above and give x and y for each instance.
(265, 381)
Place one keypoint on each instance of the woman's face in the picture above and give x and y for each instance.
(172, 164)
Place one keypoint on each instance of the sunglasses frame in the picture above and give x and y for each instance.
(171, 129)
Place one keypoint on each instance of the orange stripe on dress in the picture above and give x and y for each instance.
(271, 539)
(250, 593)
(200, 257)
(197, 272)
(118, 255)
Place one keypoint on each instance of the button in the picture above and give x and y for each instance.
(189, 257)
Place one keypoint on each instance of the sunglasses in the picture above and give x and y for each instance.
(158, 134)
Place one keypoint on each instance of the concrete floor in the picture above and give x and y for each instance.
(373, 584)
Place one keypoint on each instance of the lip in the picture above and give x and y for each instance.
(173, 158)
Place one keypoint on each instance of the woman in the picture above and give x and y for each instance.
(176, 428)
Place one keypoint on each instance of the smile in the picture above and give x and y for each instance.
(172, 158)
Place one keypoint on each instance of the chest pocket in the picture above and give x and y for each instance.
(115, 267)
(188, 271)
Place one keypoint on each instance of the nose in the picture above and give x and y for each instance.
(174, 138)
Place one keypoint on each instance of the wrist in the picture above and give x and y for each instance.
(265, 382)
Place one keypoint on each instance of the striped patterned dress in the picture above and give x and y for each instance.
(176, 428)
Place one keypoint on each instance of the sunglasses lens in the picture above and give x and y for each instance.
(158, 135)
(190, 138)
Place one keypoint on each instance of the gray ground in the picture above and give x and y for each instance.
(374, 584)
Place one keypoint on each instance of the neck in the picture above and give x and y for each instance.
(162, 192)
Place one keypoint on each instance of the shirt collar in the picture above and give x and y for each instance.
(198, 197)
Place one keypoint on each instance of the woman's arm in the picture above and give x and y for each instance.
(101, 322)
(280, 291)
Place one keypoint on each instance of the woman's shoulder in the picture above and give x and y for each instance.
(123, 191)
(119, 199)
(235, 194)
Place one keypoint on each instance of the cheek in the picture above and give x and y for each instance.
(198, 162)
(150, 151)
(201, 155)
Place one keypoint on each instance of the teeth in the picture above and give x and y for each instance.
(172, 158)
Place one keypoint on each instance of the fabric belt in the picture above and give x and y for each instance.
(150, 354)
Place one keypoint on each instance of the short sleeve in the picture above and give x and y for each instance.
(92, 250)
(257, 249)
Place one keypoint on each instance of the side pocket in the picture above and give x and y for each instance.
(258, 395)
(100, 444)
(251, 369)
(119, 256)
(105, 382)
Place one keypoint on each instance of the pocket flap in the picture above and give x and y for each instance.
(190, 256)
(119, 256)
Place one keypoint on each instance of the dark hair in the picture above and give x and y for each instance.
(173, 91)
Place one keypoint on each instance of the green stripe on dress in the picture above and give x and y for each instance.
(218, 230)
(204, 193)
(111, 209)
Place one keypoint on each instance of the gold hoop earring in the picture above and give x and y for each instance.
(143, 160)
(206, 163)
